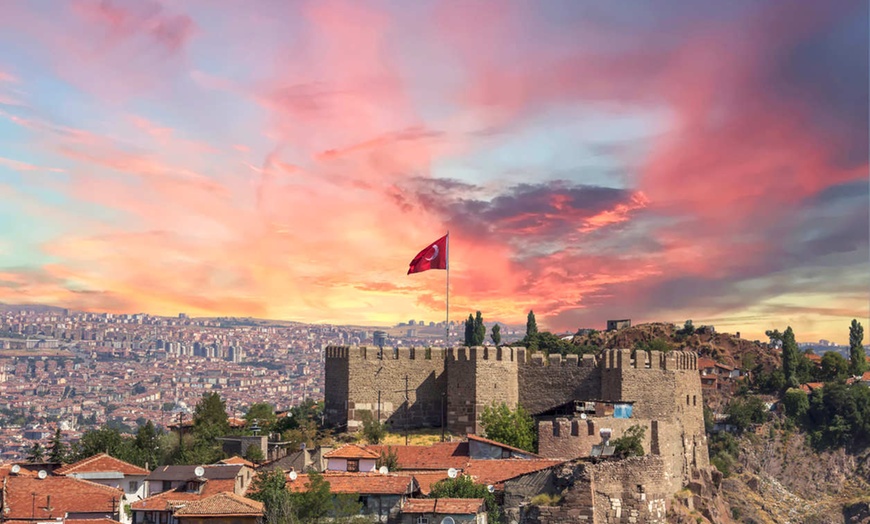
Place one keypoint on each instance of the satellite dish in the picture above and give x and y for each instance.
(383, 470)
(452, 473)
(293, 475)
(42, 474)
(199, 471)
(490, 488)
(448, 520)
(16, 468)
(583, 416)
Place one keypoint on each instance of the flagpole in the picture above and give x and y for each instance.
(447, 294)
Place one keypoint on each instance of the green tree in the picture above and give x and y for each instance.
(269, 487)
(834, 366)
(263, 414)
(858, 356)
(688, 328)
(254, 454)
(148, 445)
(469, 330)
(512, 427)
(57, 450)
(790, 356)
(531, 325)
(373, 430)
(315, 503)
(479, 329)
(35, 453)
(496, 335)
(742, 412)
(463, 487)
(389, 458)
(103, 440)
(210, 418)
(630, 444)
(796, 403)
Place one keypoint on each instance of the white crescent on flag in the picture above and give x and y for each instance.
(435, 254)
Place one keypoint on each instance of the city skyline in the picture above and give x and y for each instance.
(591, 162)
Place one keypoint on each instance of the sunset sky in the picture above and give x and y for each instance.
(286, 159)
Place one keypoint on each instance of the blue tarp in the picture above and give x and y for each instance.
(622, 411)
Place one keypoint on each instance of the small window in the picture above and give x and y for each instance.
(353, 465)
(694, 400)
(134, 486)
(422, 520)
(687, 400)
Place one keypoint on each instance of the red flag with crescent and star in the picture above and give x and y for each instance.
(434, 256)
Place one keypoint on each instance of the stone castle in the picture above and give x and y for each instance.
(413, 387)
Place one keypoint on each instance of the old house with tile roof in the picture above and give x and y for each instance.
(32, 498)
(109, 471)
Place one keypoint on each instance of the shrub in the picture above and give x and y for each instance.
(545, 499)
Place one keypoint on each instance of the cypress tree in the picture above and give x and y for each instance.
(789, 358)
(469, 330)
(857, 355)
(479, 330)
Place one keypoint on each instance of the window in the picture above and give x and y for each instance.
(422, 520)
(353, 465)
(134, 486)
(167, 485)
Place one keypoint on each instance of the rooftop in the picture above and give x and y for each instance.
(102, 462)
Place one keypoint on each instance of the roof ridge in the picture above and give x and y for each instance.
(79, 463)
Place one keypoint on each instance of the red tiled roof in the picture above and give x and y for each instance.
(425, 479)
(101, 462)
(501, 445)
(809, 387)
(706, 363)
(222, 505)
(362, 483)
(496, 472)
(444, 506)
(68, 495)
(352, 451)
(104, 520)
(442, 455)
(165, 501)
(866, 376)
(237, 460)
(215, 486)
(6, 470)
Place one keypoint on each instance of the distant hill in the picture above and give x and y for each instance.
(37, 308)
(721, 347)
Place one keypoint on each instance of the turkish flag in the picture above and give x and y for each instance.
(433, 257)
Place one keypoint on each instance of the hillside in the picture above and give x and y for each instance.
(721, 347)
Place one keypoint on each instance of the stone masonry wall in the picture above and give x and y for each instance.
(566, 438)
(546, 383)
(476, 378)
(371, 370)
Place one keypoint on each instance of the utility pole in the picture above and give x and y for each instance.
(442, 415)
(407, 410)
(180, 430)
(379, 406)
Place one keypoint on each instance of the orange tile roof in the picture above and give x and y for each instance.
(68, 495)
(706, 363)
(501, 445)
(165, 501)
(6, 470)
(442, 455)
(425, 479)
(101, 462)
(215, 486)
(104, 520)
(222, 505)
(352, 451)
(445, 506)
(362, 483)
(866, 376)
(237, 460)
(496, 472)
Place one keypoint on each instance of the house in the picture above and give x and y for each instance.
(222, 508)
(352, 458)
(382, 496)
(215, 478)
(107, 470)
(435, 511)
(302, 460)
(30, 498)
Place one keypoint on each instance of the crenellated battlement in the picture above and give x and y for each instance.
(378, 353)
(538, 359)
(671, 361)
(506, 354)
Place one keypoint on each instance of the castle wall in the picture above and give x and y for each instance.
(336, 368)
(371, 370)
(476, 378)
(567, 439)
(547, 383)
